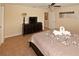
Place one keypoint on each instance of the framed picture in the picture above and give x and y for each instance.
(46, 15)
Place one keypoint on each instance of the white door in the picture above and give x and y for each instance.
(1, 25)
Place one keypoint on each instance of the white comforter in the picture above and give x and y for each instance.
(50, 46)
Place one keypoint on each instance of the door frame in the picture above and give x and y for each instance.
(2, 40)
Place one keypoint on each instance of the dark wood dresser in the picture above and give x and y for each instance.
(31, 28)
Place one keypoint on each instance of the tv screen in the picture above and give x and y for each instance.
(32, 19)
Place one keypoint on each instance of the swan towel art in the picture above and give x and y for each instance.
(61, 32)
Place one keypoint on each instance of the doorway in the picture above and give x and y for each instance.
(46, 20)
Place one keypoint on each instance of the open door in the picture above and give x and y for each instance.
(1, 24)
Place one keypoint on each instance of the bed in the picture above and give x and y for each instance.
(47, 44)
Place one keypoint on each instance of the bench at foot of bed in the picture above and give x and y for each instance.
(37, 51)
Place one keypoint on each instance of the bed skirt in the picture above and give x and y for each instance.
(36, 50)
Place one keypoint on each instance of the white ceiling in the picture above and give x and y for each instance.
(67, 4)
(46, 4)
(36, 4)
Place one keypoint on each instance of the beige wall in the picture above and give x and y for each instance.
(69, 21)
(14, 20)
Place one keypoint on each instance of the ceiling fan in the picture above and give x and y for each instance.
(54, 5)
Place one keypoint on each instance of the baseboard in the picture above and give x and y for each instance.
(13, 35)
(1, 42)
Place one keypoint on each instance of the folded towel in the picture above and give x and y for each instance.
(61, 32)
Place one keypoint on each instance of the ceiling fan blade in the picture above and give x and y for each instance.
(57, 6)
(52, 4)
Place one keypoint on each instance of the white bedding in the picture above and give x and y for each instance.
(50, 46)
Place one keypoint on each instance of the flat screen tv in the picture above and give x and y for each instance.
(32, 19)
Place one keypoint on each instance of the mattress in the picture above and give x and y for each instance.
(51, 45)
